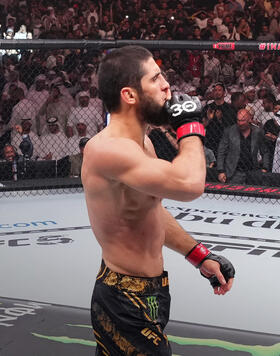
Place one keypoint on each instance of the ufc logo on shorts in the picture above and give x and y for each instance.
(188, 106)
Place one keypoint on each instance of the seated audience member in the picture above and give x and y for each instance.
(76, 160)
(238, 150)
(54, 142)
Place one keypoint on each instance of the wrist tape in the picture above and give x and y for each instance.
(197, 255)
(190, 129)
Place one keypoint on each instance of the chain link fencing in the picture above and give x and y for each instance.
(50, 107)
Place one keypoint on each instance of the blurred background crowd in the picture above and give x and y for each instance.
(50, 97)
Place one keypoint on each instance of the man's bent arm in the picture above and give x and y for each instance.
(125, 161)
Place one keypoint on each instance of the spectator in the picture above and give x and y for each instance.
(201, 19)
(12, 171)
(238, 101)
(276, 158)
(238, 150)
(244, 30)
(219, 6)
(210, 62)
(265, 36)
(211, 170)
(204, 88)
(25, 140)
(53, 142)
(209, 157)
(13, 78)
(8, 101)
(272, 130)
(38, 93)
(5, 136)
(195, 63)
(22, 34)
(24, 109)
(50, 19)
(87, 114)
(216, 117)
(57, 106)
(10, 153)
(269, 102)
(233, 34)
(233, 6)
(92, 12)
(274, 26)
(76, 160)
(9, 34)
(218, 19)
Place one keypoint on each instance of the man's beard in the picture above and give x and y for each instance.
(150, 112)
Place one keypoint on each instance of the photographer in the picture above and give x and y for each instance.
(25, 140)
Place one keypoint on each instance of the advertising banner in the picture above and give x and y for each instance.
(49, 254)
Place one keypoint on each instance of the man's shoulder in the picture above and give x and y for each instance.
(102, 150)
(106, 143)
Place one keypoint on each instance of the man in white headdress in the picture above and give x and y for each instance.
(85, 113)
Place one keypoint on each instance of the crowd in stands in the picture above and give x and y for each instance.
(51, 96)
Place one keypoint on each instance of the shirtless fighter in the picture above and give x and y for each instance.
(124, 183)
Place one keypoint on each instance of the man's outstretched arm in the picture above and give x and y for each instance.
(177, 239)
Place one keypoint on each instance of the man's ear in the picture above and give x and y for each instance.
(129, 95)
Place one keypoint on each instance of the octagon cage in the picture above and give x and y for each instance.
(50, 107)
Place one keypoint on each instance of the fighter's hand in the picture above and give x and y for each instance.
(219, 271)
(184, 115)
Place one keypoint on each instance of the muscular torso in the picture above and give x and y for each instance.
(127, 224)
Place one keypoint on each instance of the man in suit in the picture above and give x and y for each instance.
(238, 150)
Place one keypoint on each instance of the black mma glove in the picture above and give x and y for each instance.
(226, 268)
(200, 253)
(184, 115)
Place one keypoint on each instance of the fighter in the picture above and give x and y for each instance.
(124, 184)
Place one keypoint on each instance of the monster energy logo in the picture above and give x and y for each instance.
(153, 305)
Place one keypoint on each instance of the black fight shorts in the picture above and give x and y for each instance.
(129, 314)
